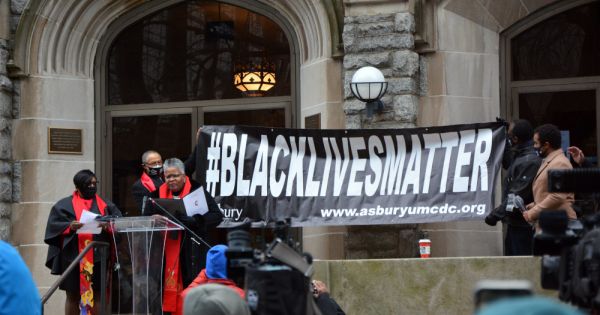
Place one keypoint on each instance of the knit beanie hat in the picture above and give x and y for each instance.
(216, 262)
(214, 299)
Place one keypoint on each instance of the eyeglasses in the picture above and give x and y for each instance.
(173, 176)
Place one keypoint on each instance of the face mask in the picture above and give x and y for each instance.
(88, 192)
(155, 171)
(540, 153)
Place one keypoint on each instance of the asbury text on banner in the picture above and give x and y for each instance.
(352, 177)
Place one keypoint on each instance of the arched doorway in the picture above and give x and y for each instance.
(172, 70)
(551, 71)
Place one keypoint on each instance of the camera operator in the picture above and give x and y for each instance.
(547, 141)
(522, 167)
(326, 303)
(215, 272)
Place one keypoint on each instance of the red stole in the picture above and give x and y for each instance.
(147, 182)
(86, 265)
(173, 283)
(165, 192)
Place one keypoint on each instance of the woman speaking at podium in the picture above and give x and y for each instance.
(185, 255)
(68, 216)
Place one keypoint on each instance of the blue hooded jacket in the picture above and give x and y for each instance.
(216, 262)
(18, 292)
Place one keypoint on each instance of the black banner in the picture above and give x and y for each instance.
(352, 177)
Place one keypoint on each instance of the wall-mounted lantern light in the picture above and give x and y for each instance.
(368, 85)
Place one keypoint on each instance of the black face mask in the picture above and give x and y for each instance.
(155, 171)
(88, 192)
(540, 152)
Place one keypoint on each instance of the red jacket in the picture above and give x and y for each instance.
(203, 279)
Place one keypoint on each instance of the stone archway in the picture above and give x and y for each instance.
(61, 37)
(52, 66)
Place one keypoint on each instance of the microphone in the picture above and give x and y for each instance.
(144, 200)
(161, 208)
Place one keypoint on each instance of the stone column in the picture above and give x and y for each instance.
(386, 42)
(6, 116)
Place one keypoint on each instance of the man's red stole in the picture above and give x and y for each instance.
(147, 182)
(172, 279)
(86, 265)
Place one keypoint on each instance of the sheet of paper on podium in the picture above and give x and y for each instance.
(195, 202)
(90, 225)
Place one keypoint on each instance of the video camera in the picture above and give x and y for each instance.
(276, 278)
(571, 249)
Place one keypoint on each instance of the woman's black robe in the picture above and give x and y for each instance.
(63, 249)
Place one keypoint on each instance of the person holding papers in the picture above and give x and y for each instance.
(184, 255)
(71, 226)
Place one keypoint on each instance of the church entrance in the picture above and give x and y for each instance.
(180, 67)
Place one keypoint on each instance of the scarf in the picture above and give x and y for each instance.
(86, 265)
(172, 277)
(147, 182)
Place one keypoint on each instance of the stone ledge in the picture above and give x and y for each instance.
(419, 286)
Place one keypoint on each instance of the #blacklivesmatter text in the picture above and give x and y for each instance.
(303, 166)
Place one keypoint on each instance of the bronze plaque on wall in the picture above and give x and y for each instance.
(65, 141)
(312, 122)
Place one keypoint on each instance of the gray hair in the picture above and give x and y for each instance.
(145, 155)
(174, 162)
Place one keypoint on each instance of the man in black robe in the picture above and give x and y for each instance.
(151, 178)
(64, 244)
(152, 174)
(192, 252)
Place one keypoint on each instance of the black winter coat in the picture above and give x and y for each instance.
(518, 181)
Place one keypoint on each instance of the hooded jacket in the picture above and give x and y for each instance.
(18, 292)
(519, 179)
(215, 272)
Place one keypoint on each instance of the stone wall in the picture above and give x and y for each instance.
(419, 286)
(386, 42)
(6, 115)
(8, 94)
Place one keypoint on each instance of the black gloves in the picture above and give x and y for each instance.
(491, 220)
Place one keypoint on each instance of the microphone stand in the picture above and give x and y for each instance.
(172, 217)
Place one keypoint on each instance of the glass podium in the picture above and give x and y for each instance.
(140, 243)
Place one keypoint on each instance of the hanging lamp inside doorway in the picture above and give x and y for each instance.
(254, 79)
(253, 74)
